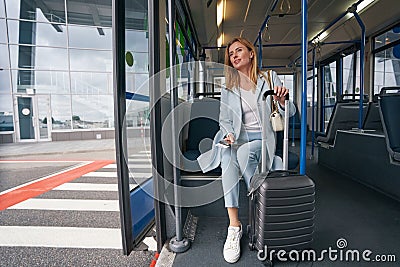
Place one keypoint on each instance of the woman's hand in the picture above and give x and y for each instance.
(230, 139)
(280, 93)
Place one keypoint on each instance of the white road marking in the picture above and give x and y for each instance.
(151, 243)
(115, 175)
(130, 166)
(87, 187)
(61, 237)
(100, 174)
(67, 204)
(140, 156)
(136, 161)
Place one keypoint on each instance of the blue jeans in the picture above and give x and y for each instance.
(242, 159)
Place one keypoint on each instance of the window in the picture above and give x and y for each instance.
(89, 37)
(329, 97)
(310, 87)
(357, 78)
(287, 80)
(90, 12)
(387, 37)
(90, 60)
(2, 12)
(3, 30)
(92, 111)
(348, 74)
(34, 33)
(43, 58)
(5, 82)
(61, 112)
(136, 41)
(43, 82)
(38, 10)
(6, 113)
(91, 83)
(4, 59)
(387, 68)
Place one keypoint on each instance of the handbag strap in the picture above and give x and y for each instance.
(271, 85)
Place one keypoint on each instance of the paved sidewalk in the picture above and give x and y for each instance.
(56, 147)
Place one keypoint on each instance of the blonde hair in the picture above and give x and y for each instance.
(232, 77)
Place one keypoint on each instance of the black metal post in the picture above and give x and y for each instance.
(118, 29)
(155, 120)
(177, 244)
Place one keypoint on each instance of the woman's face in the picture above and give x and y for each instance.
(240, 56)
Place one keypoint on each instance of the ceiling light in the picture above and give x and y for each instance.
(361, 7)
(220, 40)
(220, 12)
(364, 4)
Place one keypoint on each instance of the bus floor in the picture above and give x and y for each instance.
(350, 219)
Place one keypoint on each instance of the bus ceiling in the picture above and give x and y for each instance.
(216, 23)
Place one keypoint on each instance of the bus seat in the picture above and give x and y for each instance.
(389, 104)
(344, 117)
(372, 118)
(203, 125)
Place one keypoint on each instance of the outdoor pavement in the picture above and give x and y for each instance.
(74, 224)
(56, 147)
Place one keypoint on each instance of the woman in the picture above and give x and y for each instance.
(240, 127)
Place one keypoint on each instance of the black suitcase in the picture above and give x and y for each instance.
(282, 205)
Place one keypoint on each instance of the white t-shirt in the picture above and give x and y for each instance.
(250, 115)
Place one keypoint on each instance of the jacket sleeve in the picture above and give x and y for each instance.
(225, 114)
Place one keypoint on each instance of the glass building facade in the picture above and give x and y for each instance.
(56, 68)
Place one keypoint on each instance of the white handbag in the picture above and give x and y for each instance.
(275, 118)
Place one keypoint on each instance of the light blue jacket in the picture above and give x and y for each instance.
(230, 121)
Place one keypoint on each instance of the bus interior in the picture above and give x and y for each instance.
(340, 59)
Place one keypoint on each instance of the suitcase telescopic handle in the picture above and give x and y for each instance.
(285, 134)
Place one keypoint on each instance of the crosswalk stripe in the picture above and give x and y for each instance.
(87, 187)
(136, 161)
(114, 174)
(101, 174)
(68, 204)
(141, 156)
(62, 237)
(131, 166)
(91, 187)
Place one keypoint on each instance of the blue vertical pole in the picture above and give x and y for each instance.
(362, 49)
(322, 119)
(304, 44)
(312, 105)
(259, 51)
(339, 73)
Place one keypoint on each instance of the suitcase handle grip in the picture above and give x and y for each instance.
(271, 92)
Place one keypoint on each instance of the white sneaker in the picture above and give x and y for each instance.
(232, 244)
